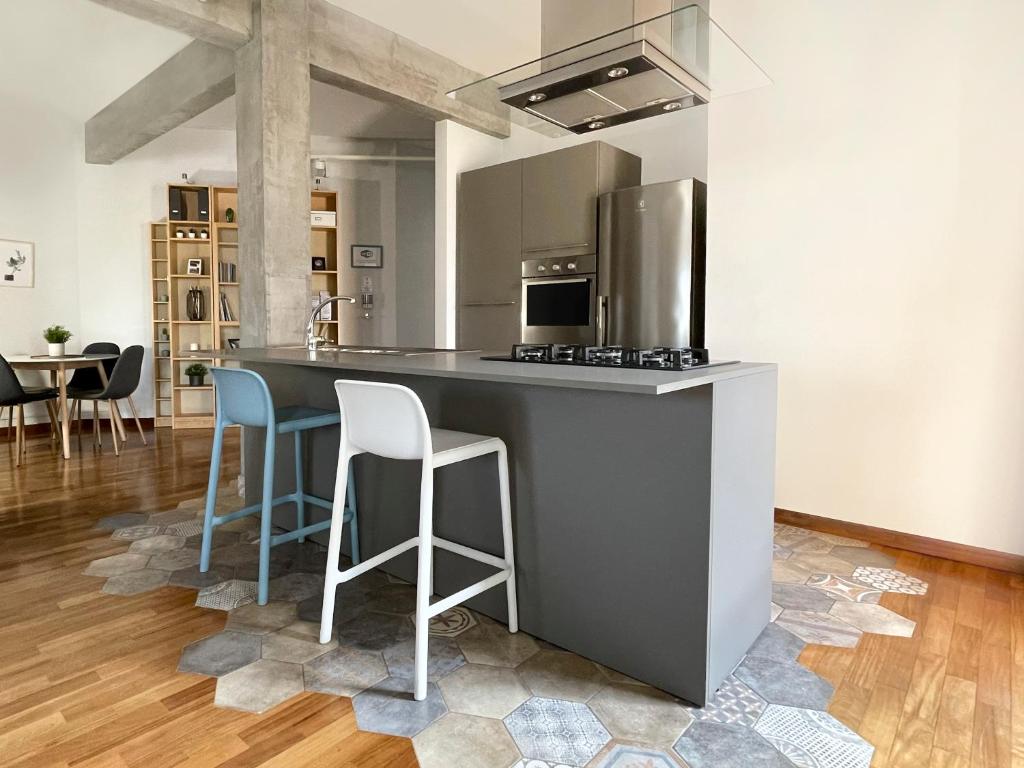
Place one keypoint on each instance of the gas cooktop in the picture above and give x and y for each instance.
(654, 358)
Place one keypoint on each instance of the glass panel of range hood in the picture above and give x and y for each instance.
(666, 63)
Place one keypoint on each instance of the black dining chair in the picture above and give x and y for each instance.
(124, 380)
(88, 379)
(14, 395)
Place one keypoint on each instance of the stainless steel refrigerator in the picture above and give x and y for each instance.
(651, 259)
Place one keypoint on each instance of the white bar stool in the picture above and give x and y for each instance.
(388, 420)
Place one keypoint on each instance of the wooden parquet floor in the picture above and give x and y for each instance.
(89, 679)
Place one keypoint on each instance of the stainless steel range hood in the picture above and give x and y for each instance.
(645, 66)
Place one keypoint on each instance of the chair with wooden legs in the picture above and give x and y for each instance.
(123, 382)
(88, 380)
(15, 397)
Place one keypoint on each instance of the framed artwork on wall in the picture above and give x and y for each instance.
(368, 256)
(17, 264)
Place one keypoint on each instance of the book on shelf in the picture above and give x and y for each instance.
(228, 272)
(225, 310)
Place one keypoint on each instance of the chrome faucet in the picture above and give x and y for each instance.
(312, 340)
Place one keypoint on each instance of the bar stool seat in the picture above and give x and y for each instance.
(244, 398)
(388, 420)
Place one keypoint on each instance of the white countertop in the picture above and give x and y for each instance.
(468, 365)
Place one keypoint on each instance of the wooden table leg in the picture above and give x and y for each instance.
(65, 429)
(115, 414)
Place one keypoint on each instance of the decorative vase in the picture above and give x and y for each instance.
(195, 304)
(196, 381)
(229, 215)
(55, 350)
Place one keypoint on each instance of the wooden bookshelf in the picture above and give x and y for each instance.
(177, 404)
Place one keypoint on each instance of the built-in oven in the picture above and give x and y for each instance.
(559, 303)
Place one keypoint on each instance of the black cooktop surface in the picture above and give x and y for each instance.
(652, 358)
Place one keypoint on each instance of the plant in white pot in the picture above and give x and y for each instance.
(196, 374)
(56, 337)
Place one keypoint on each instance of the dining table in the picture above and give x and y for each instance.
(58, 366)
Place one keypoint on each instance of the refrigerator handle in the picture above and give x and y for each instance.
(602, 321)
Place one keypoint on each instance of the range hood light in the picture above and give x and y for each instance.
(535, 97)
(595, 125)
(656, 102)
(618, 72)
(672, 106)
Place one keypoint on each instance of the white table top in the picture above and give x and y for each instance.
(41, 360)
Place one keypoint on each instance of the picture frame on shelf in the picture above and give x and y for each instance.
(194, 267)
(17, 264)
(234, 343)
(319, 264)
(367, 256)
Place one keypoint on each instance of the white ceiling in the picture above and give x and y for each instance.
(74, 56)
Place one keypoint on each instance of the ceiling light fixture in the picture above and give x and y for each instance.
(535, 97)
(618, 72)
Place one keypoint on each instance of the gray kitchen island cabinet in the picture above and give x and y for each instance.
(642, 500)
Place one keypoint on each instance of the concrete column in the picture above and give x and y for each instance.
(272, 127)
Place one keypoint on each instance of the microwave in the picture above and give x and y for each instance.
(559, 300)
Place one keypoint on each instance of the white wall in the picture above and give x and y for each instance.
(867, 233)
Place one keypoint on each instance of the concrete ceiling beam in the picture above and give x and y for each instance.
(227, 23)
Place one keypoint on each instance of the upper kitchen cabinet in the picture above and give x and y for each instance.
(560, 191)
(489, 235)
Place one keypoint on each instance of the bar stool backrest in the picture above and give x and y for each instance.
(383, 419)
(243, 398)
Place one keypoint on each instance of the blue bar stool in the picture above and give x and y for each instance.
(244, 398)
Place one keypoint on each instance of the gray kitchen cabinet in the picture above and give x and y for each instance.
(560, 191)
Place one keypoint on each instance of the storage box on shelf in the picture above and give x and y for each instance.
(202, 226)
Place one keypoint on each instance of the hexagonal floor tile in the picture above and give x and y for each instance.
(557, 731)
(261, 619)
(450, 623)
(776, 610)
(813, 738)
(345, 671)
(889, 580)
(787, 683)
(397, 599)
(808, 544)
(187, 528)
(135, 532)
(465, 741)
(219, 540)
(374, 631)
(629, 756)
(237, 554)
(820, 628)
(486, 691)
(259, 686)
(160, 543)
(227, 595)
(734, 703)
(389, 707)
(175, 560)
(171, 517)
(641, 713)
(127, 520)
(219, 654)
(561, 675)
(863, 556)
(193, 579)
(285, 645)
(801, 598)
(789, 572)
(842, 589)
(117, 564)
(443, 655)
(715, 745)
(821, 563)
(777, 643)
(296, 587)
(491, 643)
(873, 618)
(136, 582)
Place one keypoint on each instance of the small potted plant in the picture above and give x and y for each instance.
(196, 374)
(56, 337)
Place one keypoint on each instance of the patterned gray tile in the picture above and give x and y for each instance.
(820, 628)
(491, 643)
(444, 657)
(175, 560)
(528, 763)
(864, 556)
(296, 587)
(841, 589)
(259, 686)
(465, 741)
(562, 675)
(170, 517)
(557, 731)
(813, 739)
(787, 683)
(117, 564)
(450, 623)
(777, 643)
(135, 532)
(135, 582)
(187, 528)
(641, 714)
(889, 580)
(717, 745)
(486, 691)
(160, 543)
(126, 520)
(192, 578)
(374, 631)
(801, 598)
(389, 707)
(873, 618)
(261, 619)
(629, 756)
(733, 703)
(227, 595)
(219, 654)
(345, 671)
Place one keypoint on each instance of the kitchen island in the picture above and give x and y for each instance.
(642, 500)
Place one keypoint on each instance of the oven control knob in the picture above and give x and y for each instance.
(541, 268)
(556, 267)
(571, 265)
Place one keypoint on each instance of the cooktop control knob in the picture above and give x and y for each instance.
(541, 268)
(556, 267)
(571, 265)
